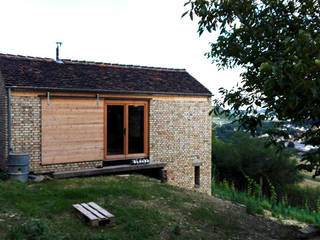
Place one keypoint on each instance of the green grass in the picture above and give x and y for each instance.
(256, 205)
(144, 209)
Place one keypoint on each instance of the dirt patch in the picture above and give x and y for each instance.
(309, 183)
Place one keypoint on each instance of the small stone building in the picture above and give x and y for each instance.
(76, 115)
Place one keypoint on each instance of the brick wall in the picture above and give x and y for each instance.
(180, 136)
(3, 136)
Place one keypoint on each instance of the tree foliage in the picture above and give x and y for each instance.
(277, 43)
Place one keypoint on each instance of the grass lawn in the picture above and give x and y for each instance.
(143, 209)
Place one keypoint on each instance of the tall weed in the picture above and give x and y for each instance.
(304, 197)
(255, 205)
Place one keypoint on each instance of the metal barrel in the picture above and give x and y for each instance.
(18, 167)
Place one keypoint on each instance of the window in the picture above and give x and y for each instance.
(197, 176)
(126, 129)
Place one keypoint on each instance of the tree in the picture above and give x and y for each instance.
(277, 43)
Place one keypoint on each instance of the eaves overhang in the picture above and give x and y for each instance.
(50, 89)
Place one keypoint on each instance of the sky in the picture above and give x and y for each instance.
(138, 32)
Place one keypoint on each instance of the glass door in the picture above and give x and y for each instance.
(115, 130)
(126, 129)
(136, 129)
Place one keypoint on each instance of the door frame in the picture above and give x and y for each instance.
(126, 155)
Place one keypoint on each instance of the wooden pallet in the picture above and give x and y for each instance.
(94, 214)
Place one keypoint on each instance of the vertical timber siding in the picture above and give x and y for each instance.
(3, 121)
(180, 136)
(72, 130)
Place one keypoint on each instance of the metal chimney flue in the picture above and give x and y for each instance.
(57, 52)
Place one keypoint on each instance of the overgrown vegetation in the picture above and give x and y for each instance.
(246, 162)
(303, 196)
(255, 205)
(247, 172)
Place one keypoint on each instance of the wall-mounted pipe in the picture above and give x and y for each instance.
(9, 122)
(48, 98)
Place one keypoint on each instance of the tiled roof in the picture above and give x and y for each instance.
(45, 73)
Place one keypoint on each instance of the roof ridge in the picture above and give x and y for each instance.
(122, 65)
(25, 57)
(93, 63)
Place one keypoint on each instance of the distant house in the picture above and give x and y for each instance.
(79, 115)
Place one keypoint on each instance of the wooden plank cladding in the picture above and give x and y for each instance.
(72, 130)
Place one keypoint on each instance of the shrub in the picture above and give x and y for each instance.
(266, 205)
(3, 175)
(176, 230)
(254, 207)
(241, 155)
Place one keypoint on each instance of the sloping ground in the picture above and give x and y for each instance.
(309, 181)
(143, 209)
